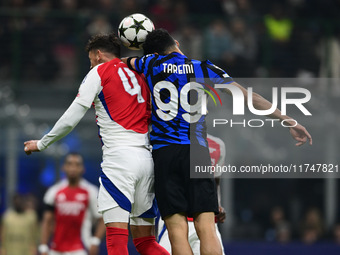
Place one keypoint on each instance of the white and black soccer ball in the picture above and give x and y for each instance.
(133, 30)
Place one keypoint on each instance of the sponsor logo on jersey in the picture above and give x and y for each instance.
(70, 208)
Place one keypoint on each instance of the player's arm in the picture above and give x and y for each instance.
(130, 62)
(140, 64)
(299, 133)
(47, 227)
(63, 126)
(88, 90)
(99, 233)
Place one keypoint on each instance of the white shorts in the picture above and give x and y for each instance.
(164, 241)
(118, 214)
(80, 252)
(127, 181)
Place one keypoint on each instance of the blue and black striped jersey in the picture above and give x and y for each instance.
(176, 115)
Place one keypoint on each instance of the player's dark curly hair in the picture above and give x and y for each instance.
(73, 153)
(158, 41)
(105, 42)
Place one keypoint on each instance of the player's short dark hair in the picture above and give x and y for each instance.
(73, 154)
(158, 41)
(109, 43)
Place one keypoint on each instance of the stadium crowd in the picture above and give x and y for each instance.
(248, 39)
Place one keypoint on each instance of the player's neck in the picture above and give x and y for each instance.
(179, 51)
(175, 49)
(73, 183)
(106, 57)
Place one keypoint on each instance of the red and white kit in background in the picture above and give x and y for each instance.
(75, 208)
(217, 154)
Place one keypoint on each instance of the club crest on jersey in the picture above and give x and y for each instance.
(61, 197)
(81, 197)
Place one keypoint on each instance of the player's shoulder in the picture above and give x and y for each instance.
(119, 63)
(124, 66)
(216, 70)
(149, 58)
(110, 68)
(214, 139)
(55, 189)
(112, 64)
(60, 185)
(92, 74)
(94, 70)
(208, 64)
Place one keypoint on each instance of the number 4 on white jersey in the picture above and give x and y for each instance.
(136, 90)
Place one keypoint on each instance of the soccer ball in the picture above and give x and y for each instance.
(133, 30)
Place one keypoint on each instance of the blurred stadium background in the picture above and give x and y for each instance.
(42, 62)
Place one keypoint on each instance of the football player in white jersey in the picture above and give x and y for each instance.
(71, 202)
(217, 154)
(122, 103)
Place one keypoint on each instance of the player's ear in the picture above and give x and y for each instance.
(63, 169)
(99, 55)
(177, 43)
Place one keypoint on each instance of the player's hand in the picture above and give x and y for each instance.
(300, 134)
(44, 253)
(31, 146)
(94, 250)
(221, 215)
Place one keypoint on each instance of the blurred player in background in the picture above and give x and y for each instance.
(70, 209)
(122, 103)
(178, 131)
(19, 230)
(217, 154)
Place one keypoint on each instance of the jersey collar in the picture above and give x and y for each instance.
(116, 60)
(178, 54)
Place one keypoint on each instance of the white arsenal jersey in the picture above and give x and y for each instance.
(122, 103)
